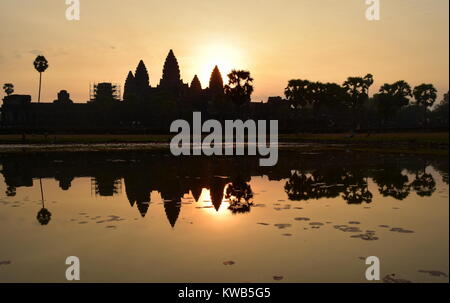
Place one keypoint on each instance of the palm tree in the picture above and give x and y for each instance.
(358, 92)
(41, 65)
(391, 98)
(8, 88)
(425, 96)
(239, 88)
(298, 92)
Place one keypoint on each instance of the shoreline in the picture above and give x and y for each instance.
(293, 146)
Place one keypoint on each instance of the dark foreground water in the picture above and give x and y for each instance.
(136, 216)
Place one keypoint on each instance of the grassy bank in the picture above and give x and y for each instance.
(420, 138)
(83, 139)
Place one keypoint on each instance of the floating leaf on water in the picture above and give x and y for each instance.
(366, 237)
(354, 222)
(229, 263)
(287, 235)
(278, 278)
(302, 219)
(262, 223)
(401, 230)
(392, 279)
(434, 273)
(5, 262)
(282, 226)
(259, 205)
(347, 229)
(316, 224)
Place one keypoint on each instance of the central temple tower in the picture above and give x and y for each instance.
(171, 79)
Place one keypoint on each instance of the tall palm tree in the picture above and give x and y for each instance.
(8, 88)
(41, 65)
(44, 215)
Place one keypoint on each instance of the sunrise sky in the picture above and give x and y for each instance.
(319, 40)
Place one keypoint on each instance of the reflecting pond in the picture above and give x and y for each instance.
(146, 216)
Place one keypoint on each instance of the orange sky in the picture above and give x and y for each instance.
(320, 40)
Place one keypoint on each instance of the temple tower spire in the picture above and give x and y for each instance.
(171, 79)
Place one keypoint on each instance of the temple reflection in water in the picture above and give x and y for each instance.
(305, 176)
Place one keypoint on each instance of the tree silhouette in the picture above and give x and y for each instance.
(424, 184)
(299, 186)
(392, 183)
(425, 95)
(239, 88)
(41, 65)
(356, 189)
(368, 80)
(8, 88)
(297, 92)
(44, 215)
(391, 97)
(239, 194)
(441, 112)
(10, 191)
(357, 89)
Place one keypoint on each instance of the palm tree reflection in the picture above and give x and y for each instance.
(424, 184)
(43, 216)
(356, 188)
(239, 193)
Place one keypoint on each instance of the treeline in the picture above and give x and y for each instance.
(396, 105)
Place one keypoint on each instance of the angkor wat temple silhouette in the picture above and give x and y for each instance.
(142, 106)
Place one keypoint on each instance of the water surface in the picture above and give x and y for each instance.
(136, 216)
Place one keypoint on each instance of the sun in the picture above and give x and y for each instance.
(224, 56)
